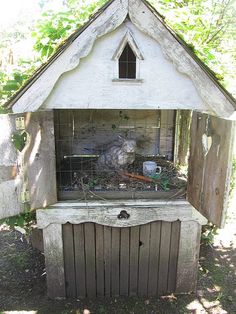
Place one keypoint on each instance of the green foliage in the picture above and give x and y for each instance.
(162, 181)
(24, 220)
(209, 232)
(48, 32)
(10, 83)
(53, 28)
(209, 29)
(19, 140)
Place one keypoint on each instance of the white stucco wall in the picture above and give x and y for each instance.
(90, 84)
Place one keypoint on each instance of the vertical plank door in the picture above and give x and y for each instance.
(210, 165)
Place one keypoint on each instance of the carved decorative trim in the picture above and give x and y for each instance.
(106, 22)
(128, 38)
(146, 21)
(113, 216)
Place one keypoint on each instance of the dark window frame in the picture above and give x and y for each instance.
(127, 63)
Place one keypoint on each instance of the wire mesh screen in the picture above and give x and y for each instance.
(105, 151)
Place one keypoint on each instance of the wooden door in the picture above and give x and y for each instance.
(210, 166)
(27, 162)
(111, 261)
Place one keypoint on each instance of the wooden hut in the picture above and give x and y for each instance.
(109, 230)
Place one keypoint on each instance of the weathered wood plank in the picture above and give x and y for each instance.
(164, 257)
(115, 195)
(36, 161)
(79, 260)
(124, 261)
(143, 259)
(39, 159)
(120, 202)
(54, 261)
(189, 246)
(155, 235)
(134, 261)
(210, 165)
(174, 249)
(166, 133)
(107, 260)
(89, 236)
(37, 239)
(69, 258)
(196, 161)
(115, 262)
(107, 215)
(99, 260)
(218, 170)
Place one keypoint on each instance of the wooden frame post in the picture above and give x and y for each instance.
(54, 260)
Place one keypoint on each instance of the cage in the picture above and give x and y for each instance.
(103, 154)
(109, 226)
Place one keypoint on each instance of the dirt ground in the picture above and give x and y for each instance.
(23, 282)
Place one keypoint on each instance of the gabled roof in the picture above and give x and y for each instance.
(31, 96)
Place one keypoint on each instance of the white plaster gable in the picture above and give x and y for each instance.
(91, 85)
(39, 92)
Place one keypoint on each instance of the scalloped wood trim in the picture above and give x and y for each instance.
(149, 23)
(107, 215)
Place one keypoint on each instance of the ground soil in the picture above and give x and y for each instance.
(23, 282)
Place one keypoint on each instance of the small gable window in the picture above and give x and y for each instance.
(127, 59)
(127, 63)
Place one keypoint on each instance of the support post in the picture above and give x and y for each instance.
(189, 247)
(54, 260)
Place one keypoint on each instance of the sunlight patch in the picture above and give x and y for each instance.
(195, 306)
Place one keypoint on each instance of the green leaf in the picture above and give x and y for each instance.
(19, 140)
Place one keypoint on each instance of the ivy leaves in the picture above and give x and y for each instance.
(49, 32)
(54, 27)
(19, 140)
(209, 28)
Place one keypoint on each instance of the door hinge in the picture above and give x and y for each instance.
(20, 123)
(25, 196)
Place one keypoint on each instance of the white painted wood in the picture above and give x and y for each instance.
(10, 169)
(31, 171)
(120, 202)
(163, 87)
(106, 22)
(189, 246)
(108, 215)
(39, 160)
(214, 100)
(54, 260)
(172, 79)
(128, 38)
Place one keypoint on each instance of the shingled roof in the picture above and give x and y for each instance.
(62, 48)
